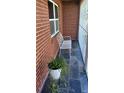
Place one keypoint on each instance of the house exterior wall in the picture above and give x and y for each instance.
(83, 30)
(46, 47)
(70, 19)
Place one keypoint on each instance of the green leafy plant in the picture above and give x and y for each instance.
(59, 63)
(53, 86)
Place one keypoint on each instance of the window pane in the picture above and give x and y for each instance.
(56, 11)
(52, 29)
(50, 5)
(57, 25)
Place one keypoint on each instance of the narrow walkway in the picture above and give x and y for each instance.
(76, 80)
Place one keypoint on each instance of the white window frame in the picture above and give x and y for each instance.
(54, 18)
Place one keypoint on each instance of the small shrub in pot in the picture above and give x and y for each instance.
(57, 67)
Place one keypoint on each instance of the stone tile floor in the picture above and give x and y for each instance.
(76, 80)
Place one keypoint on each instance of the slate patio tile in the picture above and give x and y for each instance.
(75, 85)
(63, 90)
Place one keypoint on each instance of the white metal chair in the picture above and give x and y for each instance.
(64, 43)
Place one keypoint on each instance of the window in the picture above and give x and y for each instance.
(53, 18)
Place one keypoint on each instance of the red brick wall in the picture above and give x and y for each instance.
(70, 19)
(46, 47)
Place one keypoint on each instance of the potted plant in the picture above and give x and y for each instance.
(57, 67)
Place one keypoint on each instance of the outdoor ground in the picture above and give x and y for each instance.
(76, 81)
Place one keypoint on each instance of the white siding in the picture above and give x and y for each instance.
(83, 29)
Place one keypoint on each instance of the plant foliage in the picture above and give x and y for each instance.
(59, 63)
(53, 87)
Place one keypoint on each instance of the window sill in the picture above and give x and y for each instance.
(54, 34)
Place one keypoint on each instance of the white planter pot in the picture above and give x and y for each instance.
(55, 74)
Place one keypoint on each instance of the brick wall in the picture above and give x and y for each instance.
(46, 47)
(70, 18)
